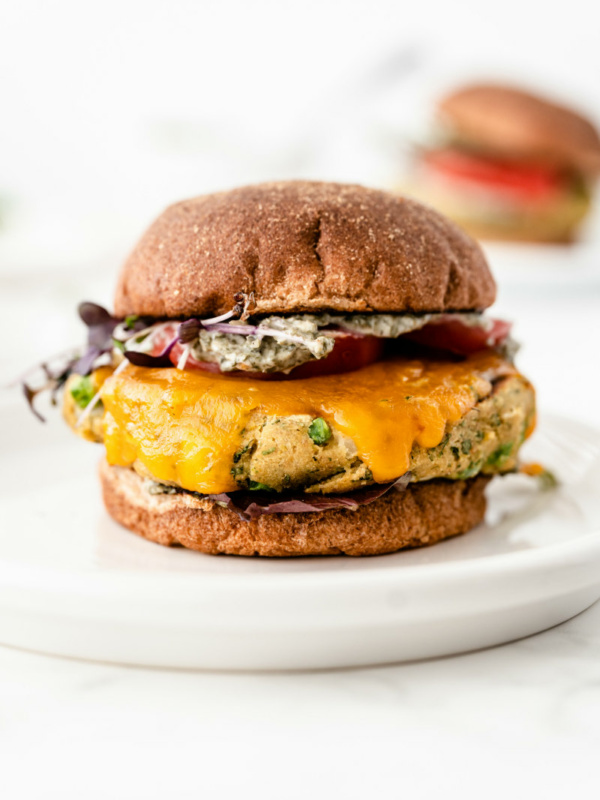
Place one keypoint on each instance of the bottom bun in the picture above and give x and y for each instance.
(422, 514)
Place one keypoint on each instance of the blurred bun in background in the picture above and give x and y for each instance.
(509, 165)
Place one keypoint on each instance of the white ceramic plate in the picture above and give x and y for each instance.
(74, 583)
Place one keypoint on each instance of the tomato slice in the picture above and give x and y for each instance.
(530, 181)
(350, 352)
(459, 337)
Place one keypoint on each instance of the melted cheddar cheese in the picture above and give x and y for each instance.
(185, 426)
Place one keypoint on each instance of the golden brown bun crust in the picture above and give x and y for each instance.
(512, 122)
(302, 246)
(423, 514)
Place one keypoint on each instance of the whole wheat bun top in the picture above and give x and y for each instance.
(302, 246)
(513, 122)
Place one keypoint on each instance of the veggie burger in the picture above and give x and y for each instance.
(299, 369)
(508, 164)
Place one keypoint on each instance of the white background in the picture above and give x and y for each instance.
(109, 111)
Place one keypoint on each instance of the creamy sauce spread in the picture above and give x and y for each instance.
(185, 426)
(307, 339)
(262, 352)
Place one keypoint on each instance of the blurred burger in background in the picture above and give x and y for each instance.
(509, 165)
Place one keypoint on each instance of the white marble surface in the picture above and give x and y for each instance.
(522, 720)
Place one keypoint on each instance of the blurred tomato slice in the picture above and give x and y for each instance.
(530, 181)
